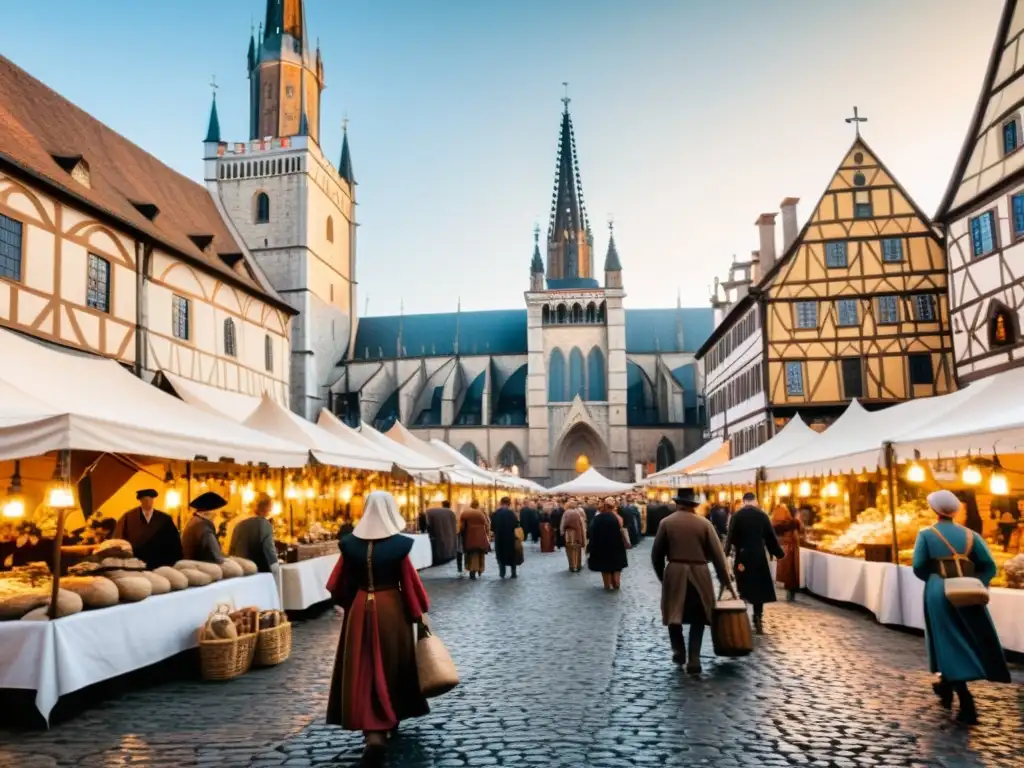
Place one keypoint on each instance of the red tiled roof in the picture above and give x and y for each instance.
(37, 123)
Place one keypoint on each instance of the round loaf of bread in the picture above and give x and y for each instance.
(175, 578)
(231, 569)
(248, 566)
(133, 588)
(160, 585)
(114, 548)
(210, 569)
(95, 591)
(68, 603)
(16, 606)
(196, 578)
(221, 627)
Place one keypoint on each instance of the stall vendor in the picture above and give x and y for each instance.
(152, 533)
(199, 541)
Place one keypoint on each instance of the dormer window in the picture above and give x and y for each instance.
(1011, 135)
(1002, 326)
(202, 242)
(76, 167)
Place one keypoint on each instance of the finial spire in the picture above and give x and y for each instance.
(565, 95)
(345, 166)
(213, 127)
(856, 120)
(611, 259)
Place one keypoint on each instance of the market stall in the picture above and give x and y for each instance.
(744, 470)
(590, 483)
(713, 453)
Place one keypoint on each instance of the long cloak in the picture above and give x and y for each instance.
(440, 525)
(683, 547)
(157, 543)
(504, 524)
(607, 547)
(750, 534)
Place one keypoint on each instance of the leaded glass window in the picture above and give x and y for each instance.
(892, 250)
(847, 312)
(10, 248)
(794, 379)
(835, 254)
(230, 341)
(983, 234)
(807, 314)
(1009, 136)
(1018, 215)
(98, 284)
(888, 310)
(924, 307)
(179, 317)
(268, 353)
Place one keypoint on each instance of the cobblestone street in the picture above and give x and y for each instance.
(557, 672)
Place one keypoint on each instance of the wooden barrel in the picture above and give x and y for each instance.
(730, 629)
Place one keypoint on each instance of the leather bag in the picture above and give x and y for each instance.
(434, 665)
(962, 591)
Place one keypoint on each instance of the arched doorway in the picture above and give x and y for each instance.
(666, 454)
(509, 458)
(580, 441)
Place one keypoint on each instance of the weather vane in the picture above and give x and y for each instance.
(856, 120)
(344, 124)
(565, 98)
(213, 85)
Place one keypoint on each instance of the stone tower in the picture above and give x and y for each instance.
(292, 207)
(576, 380)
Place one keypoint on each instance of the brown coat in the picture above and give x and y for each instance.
(475, 529)
(575, 520)
(787, 571)
(683, 547)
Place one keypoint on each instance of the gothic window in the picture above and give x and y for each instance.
(1002, 326)
(591, 315)
(666, 454)
(556, 377)
(248, 170)
(806, 314)
(983, 234)
(601, 309)
(1011, 140)
(511, 457)
(268, 353)
(892, 250)
(330, 229)
(847, 312)
(470, 452)
(794, 378)
(577, 314)
(98, 284)
(234, 170)
(179, 317)
(577, 374)
(888, 310)
(545, 315)
(596, 376)
(835, 254)
(924, 308)
(262, 208)
(560, 314)
(230, 342)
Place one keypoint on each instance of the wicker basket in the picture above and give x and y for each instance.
(226, 659)
(273, 645)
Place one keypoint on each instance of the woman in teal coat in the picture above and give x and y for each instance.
(962, 642)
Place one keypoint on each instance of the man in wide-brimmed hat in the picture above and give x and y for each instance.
(199, 541)
(152, 533)
(750, 534)
(683, 547)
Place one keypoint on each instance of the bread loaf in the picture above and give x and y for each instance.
(17, 605)
(270, 619)
(120, 548)
(175, 578)
(210, 569)
(160, 585)
(68, 603)
(196, 578)
(95, 591)
(231, 569)
(132, 589)
(248, 566)
(221, 627)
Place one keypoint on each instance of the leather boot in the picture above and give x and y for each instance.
(758, 624)
(944, 691)
(968, 714)
(675, 636)
(693, 660)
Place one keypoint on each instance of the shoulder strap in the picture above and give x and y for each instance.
(945, 541)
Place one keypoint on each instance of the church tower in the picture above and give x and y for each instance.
(576, 329)
(291, 206)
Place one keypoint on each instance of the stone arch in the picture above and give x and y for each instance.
(666, 455)
(596, 389)
(577, 375)
(470, 452)
(556, 377)
(261, 208)
(577, 313)
(561, 314)
(509, 457)
(580, 440)
(590, 315)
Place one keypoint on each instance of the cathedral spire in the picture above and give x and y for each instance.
(570, 256)
(536, 263)
(286, 17)
(611, 259)
(213, 127)
(345, 166)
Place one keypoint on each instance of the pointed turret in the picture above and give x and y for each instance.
(345, 166)
(251, 55)
(570, 255)
(213, 128)
(537, 263)
(612, 265)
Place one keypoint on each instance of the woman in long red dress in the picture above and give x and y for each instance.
(787, 528)
(375, 684)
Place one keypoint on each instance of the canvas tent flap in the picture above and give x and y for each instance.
(743, 469)
(850, 439)
(233, 405)
(327, 448)
(100, 406)
(419, 466)
(591, 483)
(399, 434)
(712, 453)
(331, 423)
(464, 463)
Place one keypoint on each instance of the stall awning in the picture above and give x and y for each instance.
(97, 405)
(402, 436)
(743, 469)
(712, 454)
(233, 405)
(421, 467)
(326, 447)
(328, 421)
(591, 483)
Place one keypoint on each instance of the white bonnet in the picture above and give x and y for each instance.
(944, 503)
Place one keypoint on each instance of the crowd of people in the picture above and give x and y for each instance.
(371, 690)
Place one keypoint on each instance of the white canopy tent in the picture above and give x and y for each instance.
(331, 423)
(501, 478)
(403, 437)
(420, 467)
(743, 469)
(591, 483)
(94, 404)
(702, 457)
(326, 447)
(220, 402)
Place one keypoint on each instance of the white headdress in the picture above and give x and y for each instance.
(944, 503)
(381, 517)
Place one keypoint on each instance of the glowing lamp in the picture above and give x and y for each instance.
(233, 487)
(805, 489)
(723, 496)
(270, 491)
(915, 473)
(291, 492)
(276, 509)
(783, 490)
(831, 490)
(248, 495)
(438, 497)
(345, 494)
(60, 497)
(14, 508)
(310, 493)
(997, 484)
(172, 498)
(402, 499)
(971, 475)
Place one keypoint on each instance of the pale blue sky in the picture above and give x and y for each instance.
(691, 117)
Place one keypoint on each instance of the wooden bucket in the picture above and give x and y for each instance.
(730, 628)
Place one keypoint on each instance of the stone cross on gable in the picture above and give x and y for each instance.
(856, 120)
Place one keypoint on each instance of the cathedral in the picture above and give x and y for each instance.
(571, 380)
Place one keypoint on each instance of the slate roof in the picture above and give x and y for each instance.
(503, 332)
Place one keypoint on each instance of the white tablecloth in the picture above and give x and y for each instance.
(303, 584)
(54, 658)
(896, 596)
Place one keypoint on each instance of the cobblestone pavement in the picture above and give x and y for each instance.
(556, 672)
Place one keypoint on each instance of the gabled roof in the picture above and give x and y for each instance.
(37, 123)
(989, 109)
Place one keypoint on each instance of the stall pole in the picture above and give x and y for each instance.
(64, 457)
(890, 476)
(188, 485)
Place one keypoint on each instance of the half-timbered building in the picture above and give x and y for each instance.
(983, 213)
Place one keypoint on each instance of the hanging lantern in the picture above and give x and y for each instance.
(248, 494)
(14, 508)
(310, 493)
(345, 494)
(172, 498)
(291, 492)
(997, 484)
(831, 490)
(805, 489)
(402, 499)
(971, 475)
(61, 497)
(915, 473)
(784, 490)
(582, 464)
(276, 508)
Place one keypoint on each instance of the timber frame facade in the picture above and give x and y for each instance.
(856, 308)
(983, 213)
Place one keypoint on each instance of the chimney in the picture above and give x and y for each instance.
(755, 267)
(766, 229)
(789, 229)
